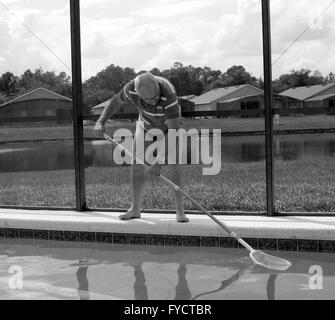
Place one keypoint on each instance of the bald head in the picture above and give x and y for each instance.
(147, 87)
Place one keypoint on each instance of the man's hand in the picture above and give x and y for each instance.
(155, 169)
(99, 129)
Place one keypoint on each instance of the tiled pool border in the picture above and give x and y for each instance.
(300, 245)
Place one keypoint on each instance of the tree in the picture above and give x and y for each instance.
(184, 79)
(156, 72)
(316, 78)
(260, 83)
(179, 77)
(8, 84)
(196, 87)
(60, 83)
(27, 80)
(2, 99)
(113, 78)
(330, 77)
(177, 65)
(105, 84)
(93, 97)
(297, 78)
(237, 75)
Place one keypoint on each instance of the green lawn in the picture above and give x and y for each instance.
(306, 186)
(8, 134)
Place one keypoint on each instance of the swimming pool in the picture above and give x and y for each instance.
(72, 270)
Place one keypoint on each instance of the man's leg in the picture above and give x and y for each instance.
(178, 178)
(138, 182)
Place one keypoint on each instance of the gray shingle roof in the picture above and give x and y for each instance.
(39, 93)
(303, 93)
(189, 97)
(321, 98)
(219, 93)
(242, 97)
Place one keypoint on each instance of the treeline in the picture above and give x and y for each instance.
(188, 80)
(12, 86)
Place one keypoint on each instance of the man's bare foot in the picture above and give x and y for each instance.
(131, 214)
(182, 218)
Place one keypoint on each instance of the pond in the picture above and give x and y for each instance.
(50, 156)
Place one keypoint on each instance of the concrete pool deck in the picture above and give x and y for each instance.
(274, 233)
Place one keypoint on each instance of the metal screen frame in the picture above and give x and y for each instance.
(78, 118)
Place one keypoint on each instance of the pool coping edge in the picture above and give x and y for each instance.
(308, 234)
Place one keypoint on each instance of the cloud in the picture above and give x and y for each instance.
(168, 8)
(301, 63)
(157, 33)
(93, 4)
(310, 51)
(166, 55)
(147, 35)
(23, 50)
(97, 49)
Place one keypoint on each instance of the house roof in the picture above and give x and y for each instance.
(219, 93)
(37, 94)
(321, 98)
(189, 97)
(304, 93)
(241, 98)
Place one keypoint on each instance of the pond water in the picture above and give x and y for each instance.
(59, 155)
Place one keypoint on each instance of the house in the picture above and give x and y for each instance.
(317, 96)
(37, 103)
(186, 106)
(242, 97)
(97, 110)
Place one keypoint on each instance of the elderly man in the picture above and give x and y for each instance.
(157, 103)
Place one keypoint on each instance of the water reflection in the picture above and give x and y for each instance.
(83, 289)
(140, 288)
(37, 157)
(54, 269)
(271, 287)
(182, 290)
(224, 284)
(59, 155)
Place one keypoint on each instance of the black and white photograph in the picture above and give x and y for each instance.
(167, 155)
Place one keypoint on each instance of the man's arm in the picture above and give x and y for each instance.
(113, 106)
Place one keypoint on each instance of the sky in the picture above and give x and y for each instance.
(144, 34)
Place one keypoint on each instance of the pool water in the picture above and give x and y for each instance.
(68, 270)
